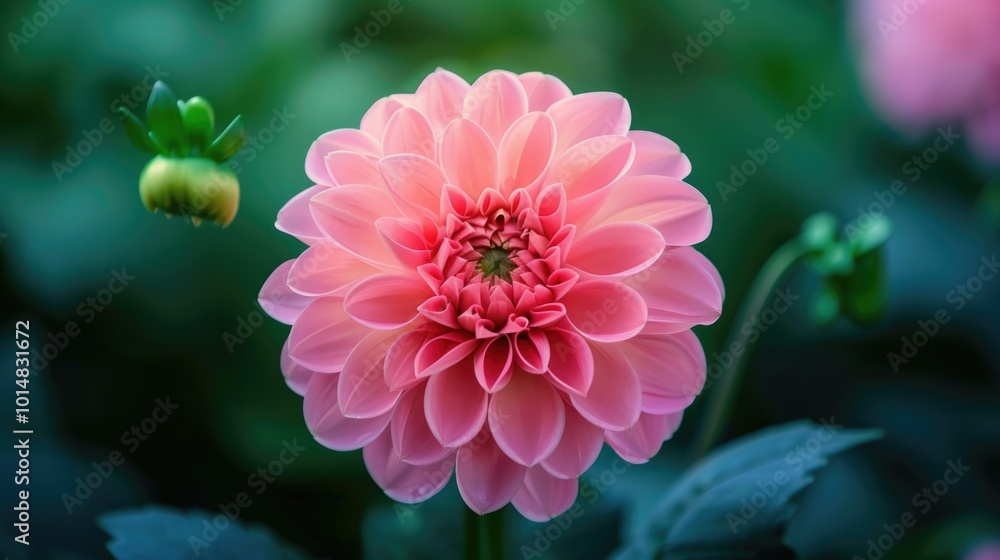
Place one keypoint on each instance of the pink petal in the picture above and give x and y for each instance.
(347, 215)
(406, 241)
(278, 299)
(543, 496)
(455, 405)
(328, 425)
(487, 478)
(444, 351)
(362, 391)
(657, 155)
(591, 165)
(411, 436)
(527, 418)
(401, 481)
(615, 397)
(439, 97)
(344, 139)
(677, 210)
(469, 158)
(571, 366)
(617, 249)
(324, 335)
(588, 115)
(408, 132)
(414, 180)
(578, 448)
(296, 219)
(532, 351)
(494, 101)
(386, 301)
(493, 360)
(399, 362)
(543, 90)
(525, 151)
(349, 168)
(642, 441)
(325, 269)
(377, 117)
(671, 369)
(605, 311)
(682, 288)
(296, 377)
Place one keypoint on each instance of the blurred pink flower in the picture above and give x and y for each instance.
(985, 551)
(498, 280)
(934, 62)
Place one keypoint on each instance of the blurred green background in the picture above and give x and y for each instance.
(68, 229)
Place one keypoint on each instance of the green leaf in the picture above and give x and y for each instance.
(156, 532)
(229, 142)
(739, 499)
(137, 132)
(867, 289)
(165, 122)
(199, 122)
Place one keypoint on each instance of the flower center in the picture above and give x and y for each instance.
(495, 262)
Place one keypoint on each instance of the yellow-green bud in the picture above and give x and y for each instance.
(194, 187)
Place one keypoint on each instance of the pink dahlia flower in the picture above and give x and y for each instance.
(933, 62)
(498, 281)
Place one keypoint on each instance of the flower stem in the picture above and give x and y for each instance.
(484, 536)
(720, 405)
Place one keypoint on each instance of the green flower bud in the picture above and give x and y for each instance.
(199, 122)
(188, 176)
(194, 187)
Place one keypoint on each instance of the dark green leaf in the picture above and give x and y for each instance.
(167, 534)
(137, 132)
(738, 500)
(229, 142)
(164, 118)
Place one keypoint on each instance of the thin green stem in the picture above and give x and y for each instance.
(471, 535)
(723, 398)
(484, 536)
